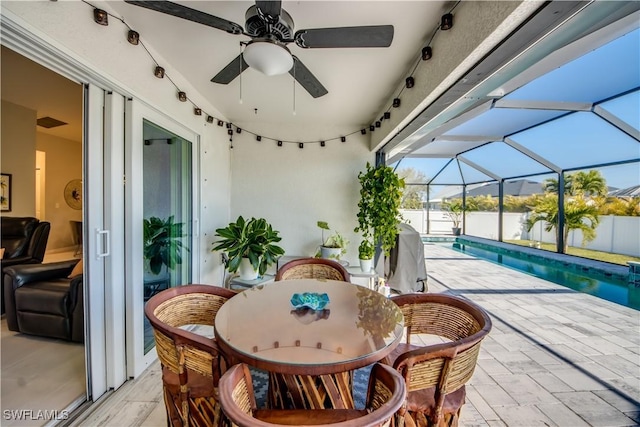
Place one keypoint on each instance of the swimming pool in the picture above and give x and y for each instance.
(612, 287)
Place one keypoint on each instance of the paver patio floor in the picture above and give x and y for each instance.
(555, 357)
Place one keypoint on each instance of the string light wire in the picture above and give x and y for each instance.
(322, 143)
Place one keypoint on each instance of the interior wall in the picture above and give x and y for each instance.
(18, 147)
(293, 188)
(64, 163)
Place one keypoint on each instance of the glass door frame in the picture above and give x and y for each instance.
(135, 112)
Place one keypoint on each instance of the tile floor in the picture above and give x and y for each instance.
(554, 357)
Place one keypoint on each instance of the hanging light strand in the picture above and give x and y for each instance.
(160, 72)
(409, 84)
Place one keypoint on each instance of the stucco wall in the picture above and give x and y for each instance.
(294, 188)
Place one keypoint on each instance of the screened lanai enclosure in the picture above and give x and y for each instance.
(563, 113)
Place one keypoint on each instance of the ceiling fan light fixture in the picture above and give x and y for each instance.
(268, 57)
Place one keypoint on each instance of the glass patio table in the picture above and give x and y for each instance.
(304, 348)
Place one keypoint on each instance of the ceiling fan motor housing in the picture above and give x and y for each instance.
(257, 27)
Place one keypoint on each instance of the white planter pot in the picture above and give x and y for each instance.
(246, 270)
(330, 253)
(366, 265)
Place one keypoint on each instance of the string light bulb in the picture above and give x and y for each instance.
(159, 72)
(410, 82)
(100, 17)
(133, 37)
(446, 23)
(427, 53)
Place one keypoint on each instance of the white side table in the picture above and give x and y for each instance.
(371, 277)
(237, 283)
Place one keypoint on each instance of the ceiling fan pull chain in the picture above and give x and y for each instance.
(294, 87)
(240, 73)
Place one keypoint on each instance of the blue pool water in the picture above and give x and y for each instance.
(611, 288)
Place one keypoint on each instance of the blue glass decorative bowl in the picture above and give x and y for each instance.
(312, 300)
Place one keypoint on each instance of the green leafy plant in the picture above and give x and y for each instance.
(253, 239)
(334, 240)
(366, 250)
(162, 244)
(380, 198)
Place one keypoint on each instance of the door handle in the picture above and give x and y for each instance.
(103, 243)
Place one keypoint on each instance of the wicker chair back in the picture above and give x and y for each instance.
(313, 268)
(385, 396)
(435, 375)
(191, 364)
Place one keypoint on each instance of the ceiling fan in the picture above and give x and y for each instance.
(271, 28)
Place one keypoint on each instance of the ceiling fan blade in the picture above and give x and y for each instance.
(189, 14)
(367, 36)
(231, 71)
(306, 79)
(270, 8)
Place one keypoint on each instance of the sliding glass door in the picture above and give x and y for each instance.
(167, 212)
(161, 225)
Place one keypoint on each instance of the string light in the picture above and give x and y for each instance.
(133, 37)
(426, 53)
(100, 17)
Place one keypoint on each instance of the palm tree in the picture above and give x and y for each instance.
(590, 183)
(579, 214)
(580, 208)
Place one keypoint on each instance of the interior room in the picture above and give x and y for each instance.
(34, 98)
(140, 140)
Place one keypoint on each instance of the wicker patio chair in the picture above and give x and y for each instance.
(313, 268)
(435, 374)
(385, 396)
(191, 364)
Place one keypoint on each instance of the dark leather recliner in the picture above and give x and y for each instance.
(24, 240)
(42, 300)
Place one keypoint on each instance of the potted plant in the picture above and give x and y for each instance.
(162, 244)
(455, 211)
(379, 214)
(249, 245)
(334, 246)
(365, 255)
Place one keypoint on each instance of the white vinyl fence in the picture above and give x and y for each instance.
(615, 234)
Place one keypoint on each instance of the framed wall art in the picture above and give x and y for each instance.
(5, 192)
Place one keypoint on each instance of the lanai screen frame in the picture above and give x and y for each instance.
(555, 108)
